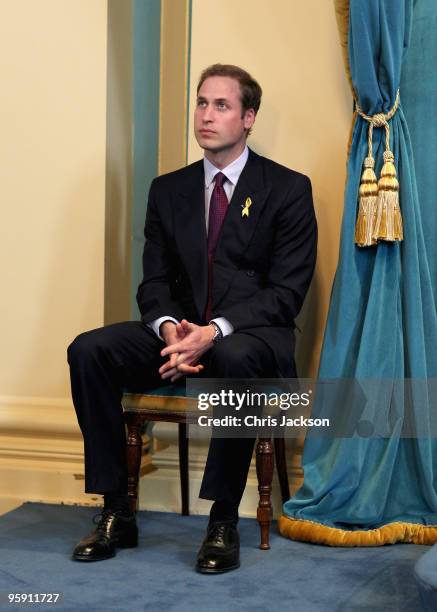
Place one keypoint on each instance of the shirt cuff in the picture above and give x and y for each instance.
(226, 327)
(156, 324)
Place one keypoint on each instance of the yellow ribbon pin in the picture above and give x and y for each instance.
(247, 205)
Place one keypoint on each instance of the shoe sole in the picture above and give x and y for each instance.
(210, 570)
(109, 556)
(91, 559)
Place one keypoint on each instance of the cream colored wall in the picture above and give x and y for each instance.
(173, 85)
(119, 174)
(292, 49)
(53, 110)
(52, 193)
(52, 182)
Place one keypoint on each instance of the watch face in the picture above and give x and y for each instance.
(217, 332)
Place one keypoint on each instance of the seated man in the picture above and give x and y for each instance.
(229, 254)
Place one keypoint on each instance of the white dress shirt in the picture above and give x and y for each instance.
(232, 173)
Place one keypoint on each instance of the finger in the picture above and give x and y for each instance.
(198, 369)
(188, 369)
(166, 366)
(176, 376)
(187, 326)
(180, 330)
(169, 373)
(171, 363)
(185, 357)
(172, 348)
(178, 347)
(183, 369)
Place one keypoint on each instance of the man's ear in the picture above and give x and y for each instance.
(249, 118)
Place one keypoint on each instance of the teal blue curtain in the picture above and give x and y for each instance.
(382, 321)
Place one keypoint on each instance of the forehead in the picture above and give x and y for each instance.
(220, 87)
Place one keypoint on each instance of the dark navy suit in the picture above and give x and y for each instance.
(262, 269)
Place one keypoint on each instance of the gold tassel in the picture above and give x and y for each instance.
(379, 213)
(367, 205)
(388, 222)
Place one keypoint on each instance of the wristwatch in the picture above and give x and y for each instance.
(218, 334)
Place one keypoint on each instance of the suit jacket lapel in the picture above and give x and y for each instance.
(238, 230)
(190, 233)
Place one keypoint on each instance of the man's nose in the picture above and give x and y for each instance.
(208, 114)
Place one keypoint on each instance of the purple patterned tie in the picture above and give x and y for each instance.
(218, 208)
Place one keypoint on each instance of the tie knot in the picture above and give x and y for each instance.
(219, 179)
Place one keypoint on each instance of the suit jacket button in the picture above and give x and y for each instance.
(250, 272)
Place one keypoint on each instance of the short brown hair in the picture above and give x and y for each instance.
(251, 91)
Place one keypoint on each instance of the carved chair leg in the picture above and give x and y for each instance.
(134, 423)
(183, 468)
(264, 470)
(281, 467)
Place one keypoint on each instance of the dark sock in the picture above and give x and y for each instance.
(223, 511)
(118, 502)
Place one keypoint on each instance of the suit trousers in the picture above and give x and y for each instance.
(106, 361)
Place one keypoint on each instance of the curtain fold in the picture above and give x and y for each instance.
(382, 321)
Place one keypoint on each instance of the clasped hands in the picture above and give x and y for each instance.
(186, 342)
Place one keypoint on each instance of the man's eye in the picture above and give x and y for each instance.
(221, 105)
(201, 103)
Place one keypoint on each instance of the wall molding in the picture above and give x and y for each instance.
(41, 459)
(38, 415)
(41, 449)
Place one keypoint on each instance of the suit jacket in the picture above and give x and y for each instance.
(263, 263)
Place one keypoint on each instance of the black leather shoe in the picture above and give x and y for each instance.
(220, 551)
(113, 531)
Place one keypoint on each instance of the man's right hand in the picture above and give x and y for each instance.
(172, 333)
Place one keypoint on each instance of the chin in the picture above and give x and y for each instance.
(205, 143)
(209, 146)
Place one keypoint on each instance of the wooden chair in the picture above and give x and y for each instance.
(170, 404)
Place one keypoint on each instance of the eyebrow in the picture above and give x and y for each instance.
(203, 99)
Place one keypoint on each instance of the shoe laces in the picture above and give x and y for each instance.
(217, 533)
(104, 519)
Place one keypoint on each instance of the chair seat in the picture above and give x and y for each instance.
(167, 391)
(171, 399)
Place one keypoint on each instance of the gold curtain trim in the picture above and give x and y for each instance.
(310, 531)
(342, 16)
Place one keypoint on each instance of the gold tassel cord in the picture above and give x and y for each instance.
(379, 215)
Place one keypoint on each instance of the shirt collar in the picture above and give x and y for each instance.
(232, 171)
